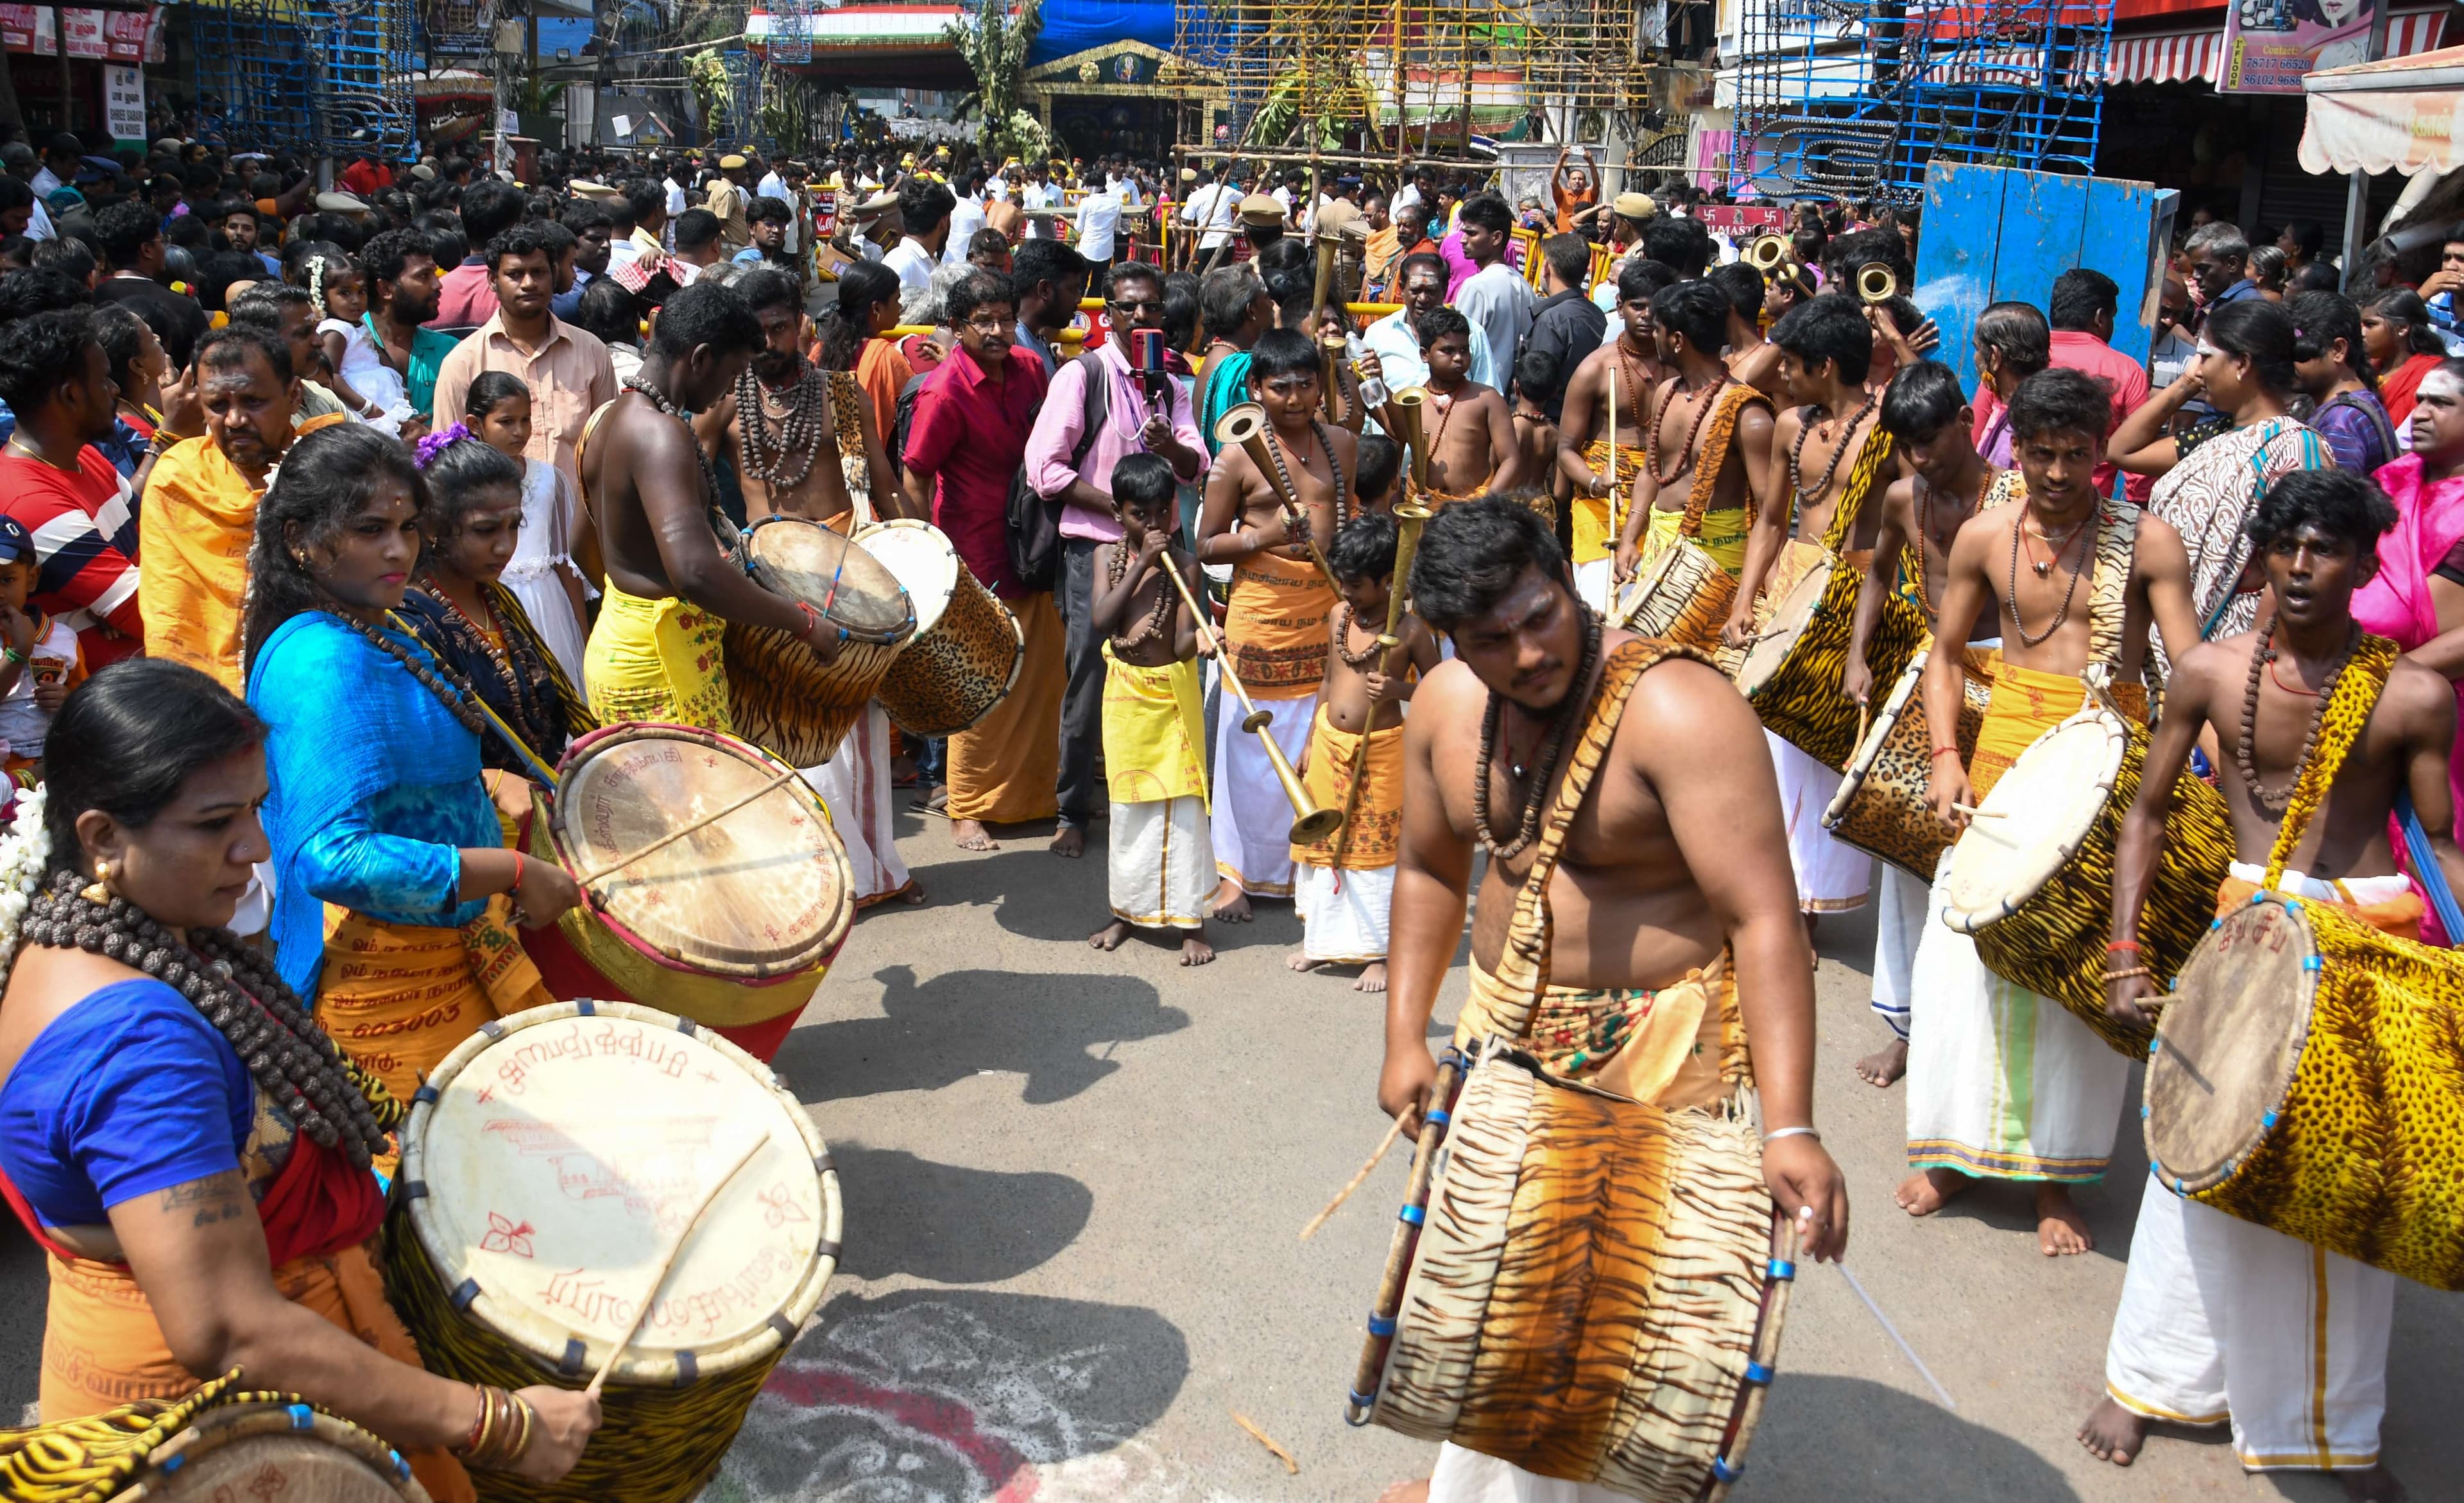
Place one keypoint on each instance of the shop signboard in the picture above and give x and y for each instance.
(123, 104)
(2271, 44)
(83, 31)
(1737, 221)
(30, 29)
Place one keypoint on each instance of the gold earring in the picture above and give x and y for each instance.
(98, 891)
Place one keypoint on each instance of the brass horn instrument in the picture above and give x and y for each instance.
(1409, 517)
(1768, 252)
(1876, 283)
(1333, 351)
(1409, 406)
(1311, 824)
(1246, 426)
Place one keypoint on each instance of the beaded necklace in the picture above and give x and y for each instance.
(1552, 752)
(1344, 623)
(799, 438)
(1693, 430)
(1284, 474)
(2026, 637)
(2262, 657)
(1829, 472)
(453, 692)
(1118, 570)
(503, 647)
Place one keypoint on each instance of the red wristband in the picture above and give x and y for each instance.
(2119, 945)
(517, 871)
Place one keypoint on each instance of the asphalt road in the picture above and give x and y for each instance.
(1074, 1182)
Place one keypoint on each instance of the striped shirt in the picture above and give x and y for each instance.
(85, 542)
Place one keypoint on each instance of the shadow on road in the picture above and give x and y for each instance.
(1052, 1029)
(1846, 1440)
(934, 1396)
(949, 1224)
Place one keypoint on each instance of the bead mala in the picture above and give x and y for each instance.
(457, 696)
(1710, 401)
(2026, 637)
(1115, 571)
(1552, 752)
(768, 459)
(1829, 472)
(2269, 801)
(1343, 624)
(659, 400)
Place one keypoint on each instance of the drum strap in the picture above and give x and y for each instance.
(2108, 597)
(1717, 440)
(847, 406)
(2347, 712)
(1861, 488)
(1523, 962)
(2426, 873)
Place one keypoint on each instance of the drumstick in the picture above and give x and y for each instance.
(674, 835)
(1893, 1332)
(1975, 813)
(659, 1274)
(1394, 1130)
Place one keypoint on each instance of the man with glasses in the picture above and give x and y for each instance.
(1394, 354)
(2438, 290)
(1101, 409)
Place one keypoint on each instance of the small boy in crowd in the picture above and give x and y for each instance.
(39, 659)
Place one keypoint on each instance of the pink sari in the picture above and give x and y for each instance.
(2430, 521)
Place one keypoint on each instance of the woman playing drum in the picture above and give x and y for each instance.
(387, 854)
(189, 1146)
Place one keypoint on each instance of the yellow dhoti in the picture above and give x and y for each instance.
(2026, 703)
(657, 659)
(1593, 538)
(1162, 861)
(397, 997)
(1005, 769)
(1373, 833)
(1723, 537)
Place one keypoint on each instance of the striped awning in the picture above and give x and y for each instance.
(2197, 56)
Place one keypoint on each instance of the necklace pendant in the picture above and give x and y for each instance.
(1517, 769)
(2042, 569)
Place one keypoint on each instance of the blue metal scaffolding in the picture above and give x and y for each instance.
(317, 78)
(1852, 99)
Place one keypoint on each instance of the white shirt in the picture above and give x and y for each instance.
(1099, 219)
(676, 204)
(773, 186)
(46, 184)
(1284, 196)
(913, 261)
(1212, 207)
(1404, 198)
(1127, 190)
(1399, 358)
(965, 220)
(1500, 302)
(39, 226)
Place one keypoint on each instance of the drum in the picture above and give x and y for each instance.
(221, 1442)
(2032, 876)
(966, 651)
(1792, 672)
(1683, 596)
(1881, 807)
(2305, 1077)
(733, 925)
(779, 693)
(549, 1165)
(1596, 1291)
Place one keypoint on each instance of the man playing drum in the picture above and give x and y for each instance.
(1701, 421)
(1927, 416)
(2004, 1083)
(654, 653)
(1613, 383)
(784, 429)
(1833, 446)
(1668, 922)
(2292, 1343)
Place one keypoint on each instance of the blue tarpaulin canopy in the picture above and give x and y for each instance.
(1074, 26)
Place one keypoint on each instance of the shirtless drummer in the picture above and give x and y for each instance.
(1672, 901)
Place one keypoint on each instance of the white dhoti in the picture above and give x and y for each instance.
(1831, 878)
(854, 785)
(1253, 819)
(2002, 1083)
(2221, 1320)
(1466, 1477)
(1344, 912)
(1595, 582)
(1162, 862)
(1900, 913)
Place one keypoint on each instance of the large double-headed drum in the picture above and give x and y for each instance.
(1881, 806)
(2306, 1077)
(780, 695)
(1595, 1293)
(1683, 595)
(734, 923)
(965, 655)
(547, 1166)
(222, 1444)
(1793, 671)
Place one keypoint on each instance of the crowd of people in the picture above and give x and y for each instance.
(356, 507)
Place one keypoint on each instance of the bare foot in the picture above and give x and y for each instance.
(1069, 840)
(1372, 978)
(2375, 1485)
(1928, 1190)
(1195, 950)
(2060, 1229)
(1230, 905)
(1299, 959)
(913, 895)
(2112, 1433)
(1812, 923)
(1110, 935)
(1884, 1067)
(1406, 1492)
(970, 836)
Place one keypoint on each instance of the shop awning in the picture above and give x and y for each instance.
(2197, 56)
(2398, 114)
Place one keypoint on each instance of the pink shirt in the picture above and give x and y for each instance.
(2075, 350)
(1063, 422)
(465, 298)
(1460, 266)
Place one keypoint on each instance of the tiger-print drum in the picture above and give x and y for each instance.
(965, 655)
(1595, 1292)
(1792, 672)
(222, 1444)
(783, 698)
(1682, 597)
(2306, 1077)
(2032, 876)
(1881, 807)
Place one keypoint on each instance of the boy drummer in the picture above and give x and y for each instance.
(1346, 882)
(1927, 416)
(1705, 429)
(1154, 723)
(2293, 1347)
(2004, 1083)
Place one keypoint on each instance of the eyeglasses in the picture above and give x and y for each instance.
(1134, 309)
(992, 323)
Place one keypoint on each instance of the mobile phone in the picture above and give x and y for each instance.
(1145, 349)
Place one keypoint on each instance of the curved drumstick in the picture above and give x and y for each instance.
(668, 1260)
(704, 822)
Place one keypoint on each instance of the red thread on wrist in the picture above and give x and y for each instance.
(2119, 945)
(517, 871)
(1946, 751)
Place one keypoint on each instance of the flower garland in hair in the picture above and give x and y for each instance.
(435, 444)
(25, 853)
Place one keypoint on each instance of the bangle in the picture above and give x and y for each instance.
(13, 656)
(812, 620)
(1779, 1133)
(2112, 976)
(2119, 945)
(517, 871)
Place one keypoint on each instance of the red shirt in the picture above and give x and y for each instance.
(2397, 386)
(85, 547)
(974, 440)
(465, 297)
(2078, 350)
(364, 177)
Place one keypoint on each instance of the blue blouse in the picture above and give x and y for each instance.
(375, 792)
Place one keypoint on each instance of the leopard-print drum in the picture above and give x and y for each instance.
(1680, 596)
(783, 697)
(1800, 653)
(966, 651)
(1596, 1291)
(1881, 807)
(2306, 1078)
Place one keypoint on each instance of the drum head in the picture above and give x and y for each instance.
(922, 559)
(567, 1147)
(2035, 821)
(1642, 609)
(1778, 634)
(806, 561)
(763, 891)
(2227, 1043)
(276, 1453)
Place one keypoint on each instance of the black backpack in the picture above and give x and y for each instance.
(1035, 521)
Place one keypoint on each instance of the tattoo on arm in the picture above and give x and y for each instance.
(210, 1201)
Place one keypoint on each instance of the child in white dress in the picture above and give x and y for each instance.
(542, 575)
(373, 390)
